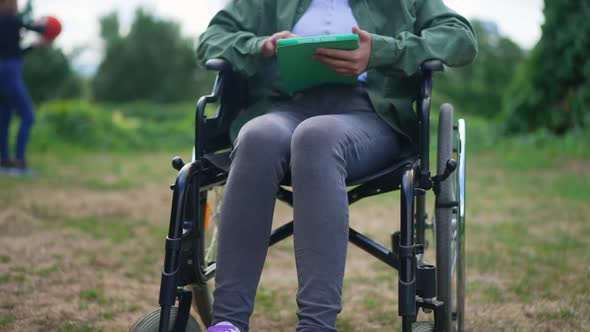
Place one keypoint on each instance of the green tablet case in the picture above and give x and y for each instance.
(299, 71)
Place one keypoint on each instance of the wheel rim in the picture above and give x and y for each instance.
(458, 266)
(458, 232)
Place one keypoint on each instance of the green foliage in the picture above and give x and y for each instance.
(478, 88)
(48, 75)
(81, 124)
(78, 123)
(152, 62)
(553, 89)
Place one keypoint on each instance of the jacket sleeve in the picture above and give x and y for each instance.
(231, 35)
(440, 34)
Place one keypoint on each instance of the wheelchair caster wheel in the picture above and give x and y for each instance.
(151, 322)
(422, 327)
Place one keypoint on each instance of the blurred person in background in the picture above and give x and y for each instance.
(321, 136)
(14, 96)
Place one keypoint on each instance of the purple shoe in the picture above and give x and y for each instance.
(223, 327)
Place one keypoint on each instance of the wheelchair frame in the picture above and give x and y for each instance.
(184, 258)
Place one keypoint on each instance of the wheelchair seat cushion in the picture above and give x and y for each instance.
(223, 162)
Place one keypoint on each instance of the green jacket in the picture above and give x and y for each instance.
(405, 33)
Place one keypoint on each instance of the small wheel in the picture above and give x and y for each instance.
(151, 322)
(450, 222)
(422, 327)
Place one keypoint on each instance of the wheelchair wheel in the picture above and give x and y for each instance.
(203, 294)
(151, 322)
(423, 327)
(450, 221)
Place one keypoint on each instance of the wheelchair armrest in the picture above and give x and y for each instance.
(218, 65)
(211, 133)
(432, 66)
(423, 104)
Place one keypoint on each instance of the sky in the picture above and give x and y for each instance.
(520, 20)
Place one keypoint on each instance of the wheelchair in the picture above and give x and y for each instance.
(190, 248)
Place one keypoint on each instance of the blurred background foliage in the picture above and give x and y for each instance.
(152, 62)
(50, 64)
(552, 89)
(479, 88)
(150, 75)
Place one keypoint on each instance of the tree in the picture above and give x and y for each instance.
(152, 62)
(48, 75)
(478, 88)
(552, 90)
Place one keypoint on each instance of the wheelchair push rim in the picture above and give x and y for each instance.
(458, 232)
(459, 215)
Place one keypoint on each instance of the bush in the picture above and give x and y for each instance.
(80, 123)
(138, 126)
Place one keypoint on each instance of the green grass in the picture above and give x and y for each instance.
(71, 326)
(6, 277)
(371, 302)
(561, 314)
(108, 315)
(7, 320)
(46, 272)
(268, 300)
(116, 230)
(95, 296)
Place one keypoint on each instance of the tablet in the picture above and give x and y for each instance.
(298, 71)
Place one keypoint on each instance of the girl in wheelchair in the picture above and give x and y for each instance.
(319, 138)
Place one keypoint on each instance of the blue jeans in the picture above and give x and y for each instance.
(14, 96)
(322, 137)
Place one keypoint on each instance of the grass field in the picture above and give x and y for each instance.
(82, 245)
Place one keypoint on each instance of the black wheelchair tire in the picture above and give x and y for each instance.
(150, 322)
(450, 288)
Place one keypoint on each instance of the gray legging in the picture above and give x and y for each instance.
(322, 137)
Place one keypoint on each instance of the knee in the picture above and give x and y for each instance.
(316, 139)
(263, 139)
(25, 112)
